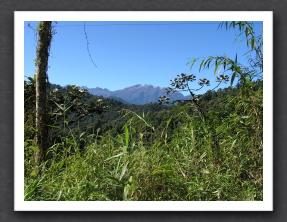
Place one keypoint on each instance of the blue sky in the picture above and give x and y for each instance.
(129, 53)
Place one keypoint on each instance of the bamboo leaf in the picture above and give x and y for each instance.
(253, 42)
(34, 148)
(54, 126)
(248, 52)
(29, 191)
(248, 81)
(168, 121)
(226, 25)
(208, 63)
(202, 64)
(192, 62)
(127, 135)
(224, 65)
(246, 32)
(232, 78)
(117, 140)
(68, 108)
(60, 107)
(118, 155)
(216, 66)
(115, 179)
(125, 167)
(145, 121)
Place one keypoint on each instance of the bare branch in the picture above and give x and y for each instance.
(88, 44)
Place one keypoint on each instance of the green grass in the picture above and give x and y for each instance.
(215, 158)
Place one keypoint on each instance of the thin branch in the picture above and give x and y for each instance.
(88, 45)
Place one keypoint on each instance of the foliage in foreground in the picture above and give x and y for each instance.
(215, 157)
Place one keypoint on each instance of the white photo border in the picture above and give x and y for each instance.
(21, 205)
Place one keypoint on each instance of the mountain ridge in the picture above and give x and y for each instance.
(137, 94)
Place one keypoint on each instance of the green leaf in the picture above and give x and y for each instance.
(60, 107)
(232, 78)
(168, 121)
(252, 42)
(248, 52)
(224, 65)
(125, 167)
(54, 126)
(61, 164)
(117, 140)
(127, 135)
(216, 66)
(125, 149)
(192, 62)
(33, 173)
(34, 148)
(246, 32)
(208, 62)
(59, 195)
(119, 183)
(248, 81)
(118, 155)
(68, 108)
(202, 64)
(29, 190)
(145, 121)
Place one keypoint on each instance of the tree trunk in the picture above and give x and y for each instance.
(44, 41)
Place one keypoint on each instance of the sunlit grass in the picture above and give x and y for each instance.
(208, 159)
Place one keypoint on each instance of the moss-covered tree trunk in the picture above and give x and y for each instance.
(44, 41)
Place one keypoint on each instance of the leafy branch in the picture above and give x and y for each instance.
(255, 42)
(224, 62)
(181, 83)
(245, 74)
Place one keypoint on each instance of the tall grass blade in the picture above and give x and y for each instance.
(118, 155)
(29, 190)
(127, 135)
(124, 170)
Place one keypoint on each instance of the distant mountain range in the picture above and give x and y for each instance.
(137, 94)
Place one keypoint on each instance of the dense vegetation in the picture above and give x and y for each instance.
(169, 153)
(208, 148)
